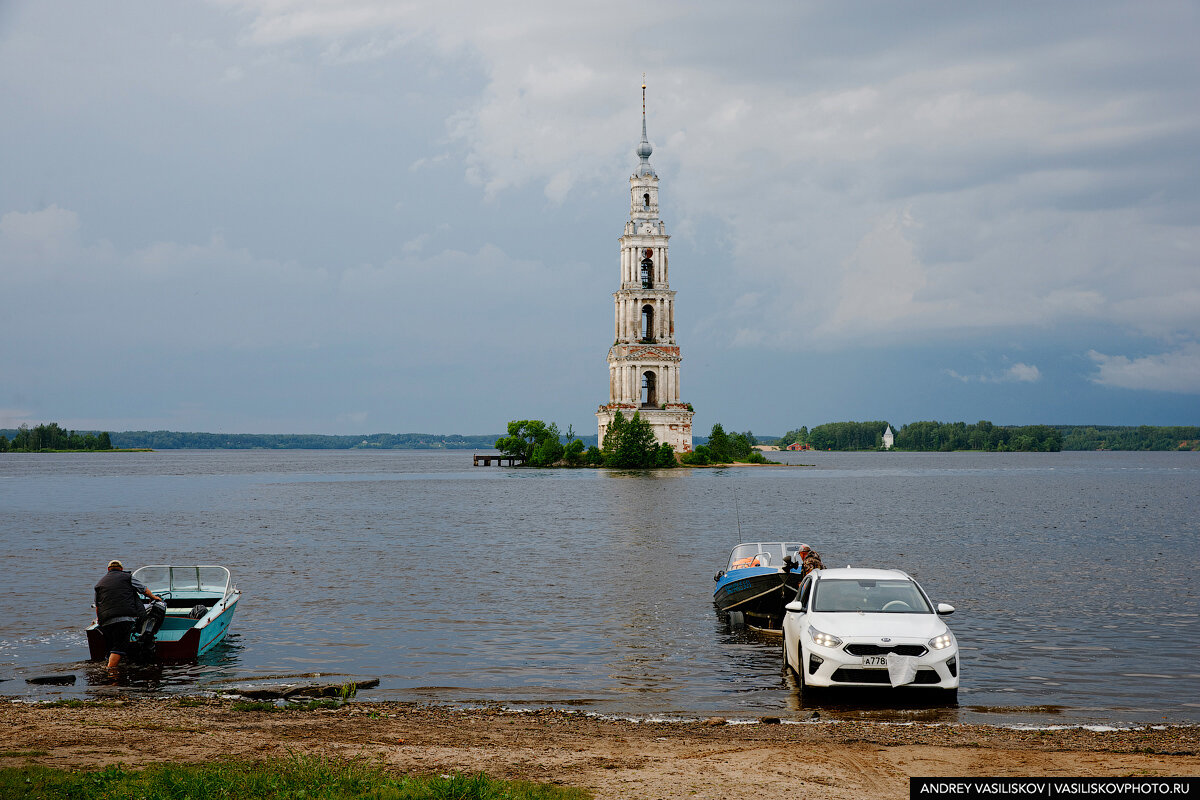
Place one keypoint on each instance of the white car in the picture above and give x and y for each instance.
(844, 623)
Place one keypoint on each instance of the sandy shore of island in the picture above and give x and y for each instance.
(610, 758)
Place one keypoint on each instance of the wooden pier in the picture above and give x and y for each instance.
(499, 459)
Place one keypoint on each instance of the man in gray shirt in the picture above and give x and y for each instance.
(118, 607)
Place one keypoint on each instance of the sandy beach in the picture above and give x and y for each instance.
(611, 758)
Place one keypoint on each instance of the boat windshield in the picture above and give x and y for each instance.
(209, 578)
(885, 596)
(761, 554)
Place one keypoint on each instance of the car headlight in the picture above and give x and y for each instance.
(941, 642)
(823, 639)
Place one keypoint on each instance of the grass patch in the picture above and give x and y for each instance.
(191, 702)
(297, 777)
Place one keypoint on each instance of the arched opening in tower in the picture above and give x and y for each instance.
(647, 272)
(649, 390)
(647, 323)
(646, 201)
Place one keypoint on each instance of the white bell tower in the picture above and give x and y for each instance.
(643, 363)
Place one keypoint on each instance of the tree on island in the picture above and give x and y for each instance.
(53, 437)
(725, 449)
(532, 441)
(628, 444)
(631, 444)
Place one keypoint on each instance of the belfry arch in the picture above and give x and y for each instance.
(647, 323)
(649, 390)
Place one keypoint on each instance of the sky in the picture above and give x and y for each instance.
(359, 216)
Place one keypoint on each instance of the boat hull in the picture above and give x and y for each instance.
(176, 641)
(759, 593)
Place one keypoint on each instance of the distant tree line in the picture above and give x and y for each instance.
(173, 440)
(985, 436)
(51, 437)
(1143, 437)
(838, 436)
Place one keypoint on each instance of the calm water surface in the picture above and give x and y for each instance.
(1074, 574)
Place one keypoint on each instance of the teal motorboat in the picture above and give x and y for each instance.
(199, 604)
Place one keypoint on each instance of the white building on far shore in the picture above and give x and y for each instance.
(889, 438)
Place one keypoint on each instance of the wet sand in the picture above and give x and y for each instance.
(610, 758)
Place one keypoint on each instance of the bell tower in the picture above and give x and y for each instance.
(643, 363)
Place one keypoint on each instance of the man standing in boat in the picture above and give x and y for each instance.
(118, 608)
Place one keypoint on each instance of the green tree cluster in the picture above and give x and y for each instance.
(791, 437)
(533, 441)
(723, 448)
(847, 435)
(53, 437)
(983, 435)
(630, 444)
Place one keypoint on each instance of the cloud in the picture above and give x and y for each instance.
(1174, 371)
(1016, 373)
(899, 179)
(35, 236)
(189, 297)
(353, 418)
(16, 417)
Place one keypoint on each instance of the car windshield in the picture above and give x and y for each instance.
(871, 596)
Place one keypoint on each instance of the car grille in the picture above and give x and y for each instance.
(851, 675)
(883, 650)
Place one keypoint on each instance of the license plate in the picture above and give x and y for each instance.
(874, 661)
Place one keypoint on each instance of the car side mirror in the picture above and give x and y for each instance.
(945, 609)
(795, 605)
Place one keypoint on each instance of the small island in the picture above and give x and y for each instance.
(628, 444)
(53, 439)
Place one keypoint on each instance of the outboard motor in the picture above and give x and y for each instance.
(148, 625)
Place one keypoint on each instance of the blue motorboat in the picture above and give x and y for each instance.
(755, 582)
(200, 601)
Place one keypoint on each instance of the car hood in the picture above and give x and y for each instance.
(855, 624)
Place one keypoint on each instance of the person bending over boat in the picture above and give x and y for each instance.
(805, 559)
(809, 560)
(118, 608)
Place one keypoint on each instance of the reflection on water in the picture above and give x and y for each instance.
(1071, 573)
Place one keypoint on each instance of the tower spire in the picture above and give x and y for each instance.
(644, 149)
